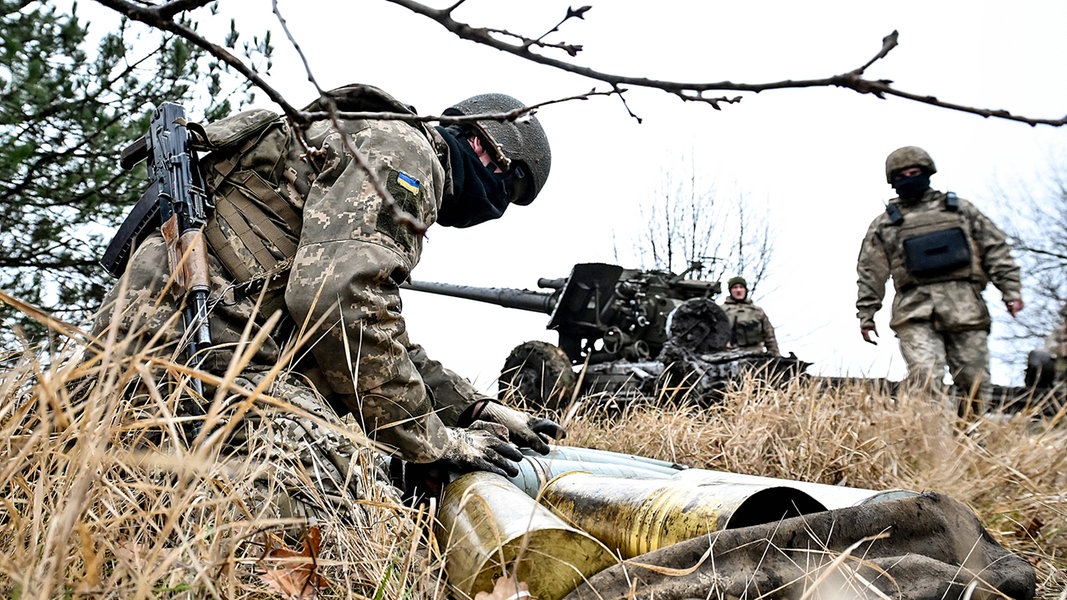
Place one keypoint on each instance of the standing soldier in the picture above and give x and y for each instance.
(750, 329)
(941, 252)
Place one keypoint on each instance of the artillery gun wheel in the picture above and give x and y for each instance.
(538, 373)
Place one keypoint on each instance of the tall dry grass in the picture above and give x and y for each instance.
(95, 504)
(1010, 468)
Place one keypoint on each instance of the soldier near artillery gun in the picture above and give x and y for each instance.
(750, 329)
(940, 251)
(608, 319)
(623, 334)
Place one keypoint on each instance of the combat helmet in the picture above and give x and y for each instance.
(908, 156)
(735, 281)
(520, 147)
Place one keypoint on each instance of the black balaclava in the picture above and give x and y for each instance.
(912, 188)
(478, 194)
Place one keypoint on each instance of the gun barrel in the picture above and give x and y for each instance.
(542, 302)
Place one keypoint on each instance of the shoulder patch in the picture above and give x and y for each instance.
(408, 182)
(406, 191)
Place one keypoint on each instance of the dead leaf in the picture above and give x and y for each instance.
(297, 575)
(506, 588)
(1033, 527)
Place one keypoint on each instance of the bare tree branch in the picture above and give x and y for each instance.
(296, 46)
(1037, 226)
(162, 18)
(168, 10)
(510, 115)
(696, 91)
(572, 13)
(524, 47)
(888, 43)
(1043, 252)
(399, 214)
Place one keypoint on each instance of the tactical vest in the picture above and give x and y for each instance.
(746, 328)
(259, 174)
(255, 229)
(748, 333)
(933, 246)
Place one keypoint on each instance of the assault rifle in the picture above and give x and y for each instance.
(179, 205)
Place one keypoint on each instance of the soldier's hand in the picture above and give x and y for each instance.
(481, 447)
(867, 331)
(524, 429)
(1014, 306)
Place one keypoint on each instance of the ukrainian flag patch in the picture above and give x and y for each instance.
(408, 182)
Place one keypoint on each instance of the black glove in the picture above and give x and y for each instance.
(481, 447)
(524, 429)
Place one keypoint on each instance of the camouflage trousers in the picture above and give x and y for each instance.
(279, 459)
(307, 465)
(966, 353)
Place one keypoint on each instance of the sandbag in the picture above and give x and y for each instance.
(924, 547)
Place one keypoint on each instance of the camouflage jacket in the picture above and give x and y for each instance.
(750, 329)
(305, 253)
(952, 301)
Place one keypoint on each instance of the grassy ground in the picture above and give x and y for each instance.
(88, 512)
(1011, 469)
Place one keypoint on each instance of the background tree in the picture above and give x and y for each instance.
(69, 102)
(690, 220)
(1037, 225)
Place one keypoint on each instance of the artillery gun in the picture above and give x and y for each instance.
(623, 334)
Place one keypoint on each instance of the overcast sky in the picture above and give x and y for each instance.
(812, 159)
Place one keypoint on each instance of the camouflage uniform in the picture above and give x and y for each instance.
(943, 319)
(750, 328)
(300, 232)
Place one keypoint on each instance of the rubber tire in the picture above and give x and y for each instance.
(1040, 369)
(538, 374)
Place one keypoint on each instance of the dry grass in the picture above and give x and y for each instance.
(1011, 469)
(97, 505)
